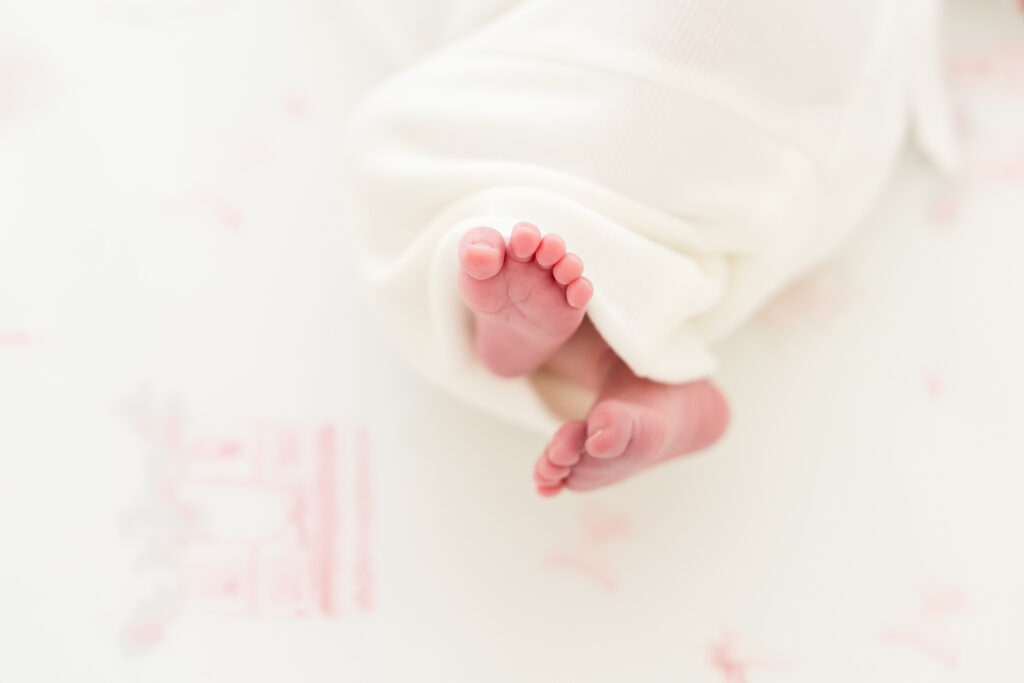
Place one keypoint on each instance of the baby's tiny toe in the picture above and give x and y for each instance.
(523, 242)
(547, 470)
(549, 491)
(550, 251)
(481, 253)
(578, 292)
(567, 444)
(565, 455)
(568, 269)
(609, 429)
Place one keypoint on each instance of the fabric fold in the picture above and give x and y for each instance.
(697, 156)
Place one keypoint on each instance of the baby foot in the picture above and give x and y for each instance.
(528, 296)
(638, 425)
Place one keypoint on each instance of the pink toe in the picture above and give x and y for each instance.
(565, 455)
(523, 241)
(567, 444)
(550, 251)
(549, 491)
(578, 292)
(609, 429)
(481, 253)
(547, 470)
(568, 269)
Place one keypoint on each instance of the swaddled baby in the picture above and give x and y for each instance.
(560, 213)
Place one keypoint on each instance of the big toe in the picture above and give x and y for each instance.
(610, 427)
(481, 253)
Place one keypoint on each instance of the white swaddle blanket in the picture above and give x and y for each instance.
(697, 155)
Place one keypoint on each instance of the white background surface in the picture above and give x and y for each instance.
(177, 314)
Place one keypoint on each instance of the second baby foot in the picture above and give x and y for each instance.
(634, 426)
(528, 295)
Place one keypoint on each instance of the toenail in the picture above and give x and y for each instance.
(485, 245)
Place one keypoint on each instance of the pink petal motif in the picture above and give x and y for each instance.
(733, 658)
(930, 630)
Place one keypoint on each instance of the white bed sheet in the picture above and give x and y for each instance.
(213, 469)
